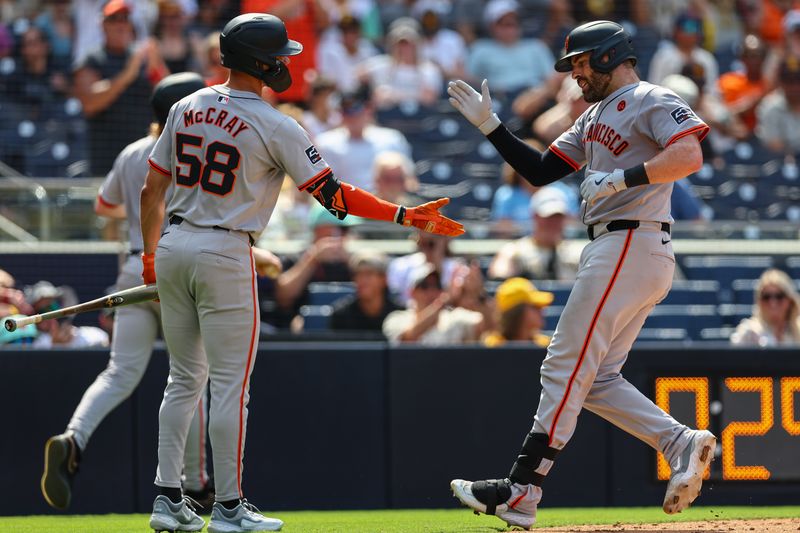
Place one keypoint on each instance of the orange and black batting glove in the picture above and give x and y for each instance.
(149, 268)
(428, 218)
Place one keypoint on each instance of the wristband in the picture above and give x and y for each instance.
(400, 216)
(636, 176)
(490, 124)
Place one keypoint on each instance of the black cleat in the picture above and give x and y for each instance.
(61, 458)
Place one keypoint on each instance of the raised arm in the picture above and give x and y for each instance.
(538, 168)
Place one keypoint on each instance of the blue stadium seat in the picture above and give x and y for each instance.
(560, 289)
(716, 334)
(744, 290)
(662, 334)
(551, 316)
(732, 314)
(725, 269)
(688, 292)
(315, 317)
(692, 318)
(324, 293)
(793, 267)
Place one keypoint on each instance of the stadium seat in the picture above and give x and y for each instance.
(732, 314)
(324, 293)
(722, 334)
(725, 269)
(662, 334)
(692, 318)
(744, 289)
(315, 317)
(793, 267)
(688, 292)
(551, 316)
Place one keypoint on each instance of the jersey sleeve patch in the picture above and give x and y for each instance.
(313, 155)
(681, 114)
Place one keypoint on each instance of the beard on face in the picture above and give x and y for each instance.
(596, 87)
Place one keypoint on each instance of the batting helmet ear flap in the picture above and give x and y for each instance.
(277, 77)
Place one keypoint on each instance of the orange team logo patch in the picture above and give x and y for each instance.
(621, 105)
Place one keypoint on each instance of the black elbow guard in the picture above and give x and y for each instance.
(328, 192)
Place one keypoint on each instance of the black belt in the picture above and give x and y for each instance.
(135, 252)
(616, 225)
(176, 220)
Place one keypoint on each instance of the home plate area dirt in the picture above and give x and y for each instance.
(782, 525)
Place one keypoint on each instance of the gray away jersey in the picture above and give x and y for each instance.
(227, 152)
(124, 182)
(627, 128)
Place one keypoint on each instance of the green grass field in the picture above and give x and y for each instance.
(426, 521)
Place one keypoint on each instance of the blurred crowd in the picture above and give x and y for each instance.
(76, 79)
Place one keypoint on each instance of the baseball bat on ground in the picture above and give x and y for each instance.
(135, 295)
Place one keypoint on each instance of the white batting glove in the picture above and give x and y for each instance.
(598, 185)
(477, 108)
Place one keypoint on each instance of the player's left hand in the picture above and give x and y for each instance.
(428, 218)
(149, 268)
(598, 184)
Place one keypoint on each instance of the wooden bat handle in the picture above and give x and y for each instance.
(135, 295)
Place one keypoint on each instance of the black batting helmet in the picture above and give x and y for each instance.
(254, 38)
(171, 89)
(609, 43)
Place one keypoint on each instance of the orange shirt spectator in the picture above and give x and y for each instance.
(742, 91)
(304, 20)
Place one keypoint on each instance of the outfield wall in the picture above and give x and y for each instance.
(367, 426)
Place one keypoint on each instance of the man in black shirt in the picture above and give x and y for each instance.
(366, 309)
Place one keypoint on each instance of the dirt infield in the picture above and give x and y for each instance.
(775, 525)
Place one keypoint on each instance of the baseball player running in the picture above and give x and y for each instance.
(635, 140)
(226, 151)
(135, 326)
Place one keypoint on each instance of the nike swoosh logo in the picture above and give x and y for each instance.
(665, 242)
(352, 187)
(598, 182)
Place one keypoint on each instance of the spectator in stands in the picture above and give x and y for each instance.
(350, 150)
(56, 22)
(440, 45)
(114, 86)
(322, 113)
(429, 320)
(775, 320)
(743, 91)
(542, 255)
(341, 57)
(12, 300)
(672, 56)
(559, 118)
(511, 204)
(61, 333)
(305, 20)
(394, 177)
(173, 38)
(778, 114)
(371, 304)
(214, 72)
(433, 249)
(520, 307)
(402, 74)
(512, 63)
(325, 259)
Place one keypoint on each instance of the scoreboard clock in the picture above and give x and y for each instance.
(756, 419)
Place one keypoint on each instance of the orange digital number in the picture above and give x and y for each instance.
(666, 386)
(789, 386)
(730, 470)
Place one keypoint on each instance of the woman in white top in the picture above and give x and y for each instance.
(775, 314)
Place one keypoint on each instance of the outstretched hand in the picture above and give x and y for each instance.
(476, 107)
(428, 218)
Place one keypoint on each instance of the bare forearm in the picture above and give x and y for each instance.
(152, 207)
(101, 94)
(425, 320)
(678, 160)
(291, 283)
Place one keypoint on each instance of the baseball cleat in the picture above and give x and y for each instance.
(204, 499)
(512, 502)
(172, 517)
(61, 458)
(687, 472)
(243, 518)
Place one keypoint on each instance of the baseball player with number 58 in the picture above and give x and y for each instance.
(227, 150)
(635, 141)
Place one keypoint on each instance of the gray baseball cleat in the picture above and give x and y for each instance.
(243, 518)
(61, 458)
(687, 471)
(512, 502)
(172, 517)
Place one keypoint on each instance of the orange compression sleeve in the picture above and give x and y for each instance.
(364, 204)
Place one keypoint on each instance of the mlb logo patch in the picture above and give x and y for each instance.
(313, 155)
(681, 114)
(222, 99)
